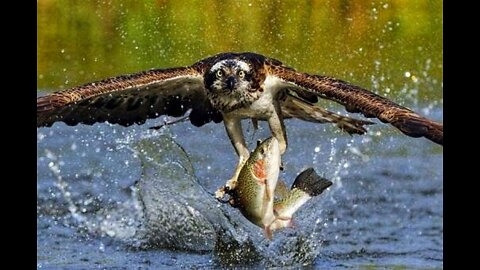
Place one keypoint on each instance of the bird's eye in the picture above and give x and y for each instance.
(219, 73)
(241, 74)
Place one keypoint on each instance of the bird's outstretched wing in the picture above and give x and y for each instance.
(130, 99)
(295, 107)
(355, 99)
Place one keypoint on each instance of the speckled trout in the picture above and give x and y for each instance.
(254, 192)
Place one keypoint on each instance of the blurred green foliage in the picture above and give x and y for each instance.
(391, 47)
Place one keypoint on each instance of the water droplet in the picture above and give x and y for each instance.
(102, 247)
(407, 74)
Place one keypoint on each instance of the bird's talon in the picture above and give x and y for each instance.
(230, 185)
(223, 201)
(220, 193)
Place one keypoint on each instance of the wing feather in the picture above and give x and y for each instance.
(357, 99)
(295, 107)
(130, 99)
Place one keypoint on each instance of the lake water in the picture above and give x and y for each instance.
(385, 208)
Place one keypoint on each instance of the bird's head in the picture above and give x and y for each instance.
(230, 76)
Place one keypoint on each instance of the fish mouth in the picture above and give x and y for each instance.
(273, 146)
(272, 154)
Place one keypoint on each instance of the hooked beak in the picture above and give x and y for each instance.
(230, 82)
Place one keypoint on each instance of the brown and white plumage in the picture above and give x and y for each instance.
(358, 100)
(229, 87)
(130, 99)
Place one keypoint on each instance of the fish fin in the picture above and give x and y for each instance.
(292, 224)
(311, 183)
(282, 222)
(268, 232)
(281, 190)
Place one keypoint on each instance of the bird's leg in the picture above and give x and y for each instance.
(275, 121)
(235, 133)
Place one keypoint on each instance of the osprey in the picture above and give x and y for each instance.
(229, 87)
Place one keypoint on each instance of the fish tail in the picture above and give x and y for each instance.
(311, 183)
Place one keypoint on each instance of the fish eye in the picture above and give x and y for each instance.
(241, 74)
(219, 73)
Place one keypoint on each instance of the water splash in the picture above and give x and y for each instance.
(168, 208)
(63, 187)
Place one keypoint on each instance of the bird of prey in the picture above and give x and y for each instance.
(229, 87)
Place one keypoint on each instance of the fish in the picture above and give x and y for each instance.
(254, 193)
(307, 185)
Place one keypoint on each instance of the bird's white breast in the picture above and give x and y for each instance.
(263, 107)
(273, 84)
